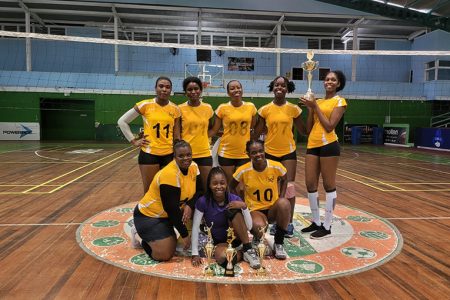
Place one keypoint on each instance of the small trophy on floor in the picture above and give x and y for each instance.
(209, 252)
(261, 252)
(230, 253)
(309, 66)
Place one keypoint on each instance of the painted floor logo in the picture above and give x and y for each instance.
(360, 241)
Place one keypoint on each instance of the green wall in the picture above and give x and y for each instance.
(25, 107)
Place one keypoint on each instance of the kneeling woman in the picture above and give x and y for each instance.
(265, 183)
(167, 204)
(221, 209)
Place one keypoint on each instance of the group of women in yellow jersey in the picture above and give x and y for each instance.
(175, 162)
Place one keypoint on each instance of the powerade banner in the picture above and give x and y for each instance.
(396, 134)
(438, 138)
(19, 131)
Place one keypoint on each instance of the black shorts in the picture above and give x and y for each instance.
(152, 159)
(333, 149)
(152, 229)
(203, 161)
(290, 156)
(235, 162)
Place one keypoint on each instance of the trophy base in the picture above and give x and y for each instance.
(229, 273)
(208, 271)
(261, 271)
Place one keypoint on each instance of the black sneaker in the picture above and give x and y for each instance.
(320, 233)
(311, 228)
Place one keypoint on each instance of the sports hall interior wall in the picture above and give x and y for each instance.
(107, 108)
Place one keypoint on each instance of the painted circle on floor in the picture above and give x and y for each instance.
(359, 241)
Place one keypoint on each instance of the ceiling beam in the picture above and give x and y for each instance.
(400, 13)
(279, 23)
(32, 14)
(119, 21)
(438, 5)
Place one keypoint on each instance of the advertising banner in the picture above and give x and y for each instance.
(366, 134)
(435, 138)
(397, 134)
(21, 131)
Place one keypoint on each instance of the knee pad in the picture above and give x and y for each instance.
(290, 190)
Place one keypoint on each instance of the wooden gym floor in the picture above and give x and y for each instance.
(48, 189)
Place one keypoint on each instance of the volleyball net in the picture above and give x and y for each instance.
(61, 63)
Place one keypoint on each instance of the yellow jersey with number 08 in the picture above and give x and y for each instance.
(279, 120)
(318, 136)
(151, 204)
(236, 122)
(260, 188)
(194, 127)
(158, 125)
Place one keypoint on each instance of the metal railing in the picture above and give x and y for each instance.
(442, 120)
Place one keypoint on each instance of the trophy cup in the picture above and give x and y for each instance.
(261, 252)
(309, 66)
(209, 252)
(230, 253)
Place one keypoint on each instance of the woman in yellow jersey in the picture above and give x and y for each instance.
(195, 120)
(167, 204)
(161, 126)
(237, 118)
(278, 117)
(265, 183)
(322, 154)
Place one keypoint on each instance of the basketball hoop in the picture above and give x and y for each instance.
(205, 84)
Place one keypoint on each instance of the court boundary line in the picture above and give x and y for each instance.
(72, 171)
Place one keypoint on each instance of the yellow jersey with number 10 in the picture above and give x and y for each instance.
(260, 188)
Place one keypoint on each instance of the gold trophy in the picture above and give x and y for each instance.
(230, 253)
(209, 252)
(261, 252)
(309, 66)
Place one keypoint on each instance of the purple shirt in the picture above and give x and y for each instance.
(212, 212)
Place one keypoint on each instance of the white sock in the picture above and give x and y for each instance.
(314, 205)
(329, 207)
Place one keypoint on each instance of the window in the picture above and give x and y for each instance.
(437, 70)
(140, 36)
(313, 44)
(366, 45)
(338, 44)
(323, 73)
(297, 74)
(326, 44)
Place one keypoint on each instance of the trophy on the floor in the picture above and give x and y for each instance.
(209, 252)
(230, 253)
(309, 66)
(261, 252)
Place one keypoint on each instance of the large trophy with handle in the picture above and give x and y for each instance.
(230, 253)
(309, 66)
(209, 252)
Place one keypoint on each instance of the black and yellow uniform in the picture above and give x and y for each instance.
(158, 125)
(318, 136)
(260, 187)
(194, 127)
(236, 122)
(169, 191)
(279, 120)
